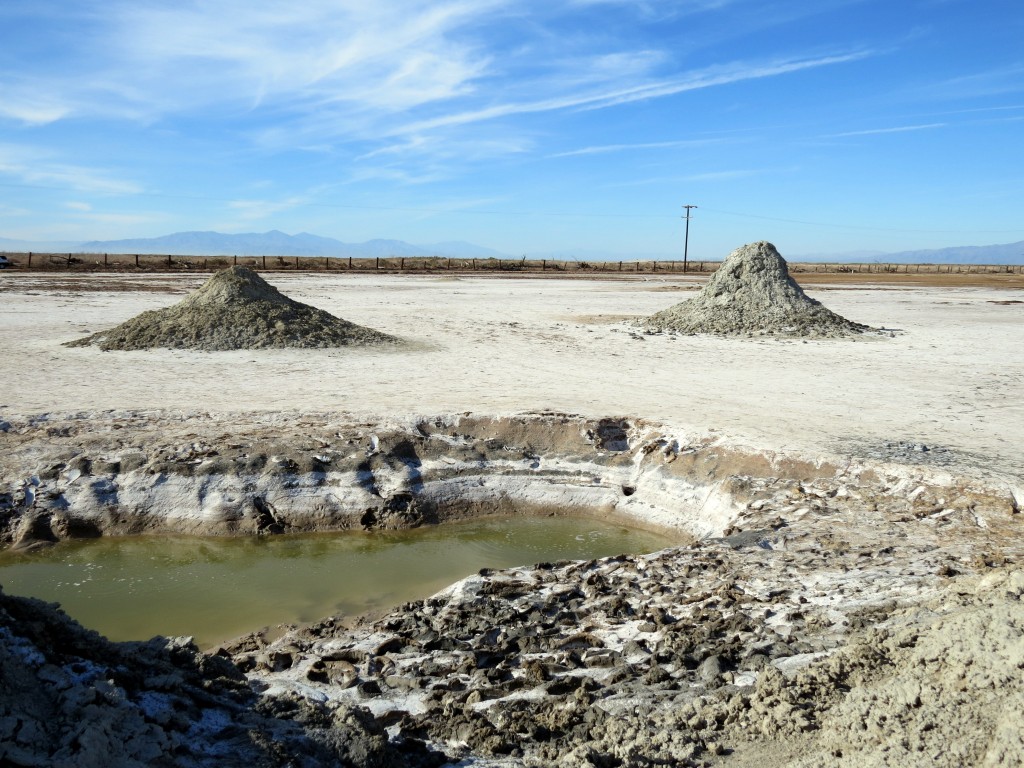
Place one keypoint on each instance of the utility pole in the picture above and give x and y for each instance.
(686, 242)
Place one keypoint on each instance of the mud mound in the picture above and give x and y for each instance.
(752, 294)
(234, 309)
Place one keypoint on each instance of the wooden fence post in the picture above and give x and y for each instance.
(264, 262)
(136, 259)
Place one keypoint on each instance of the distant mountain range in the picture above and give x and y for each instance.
(273, 243)
(1007, 253)
(276, 243)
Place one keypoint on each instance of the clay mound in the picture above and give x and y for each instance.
(752, 294)
(234, 309)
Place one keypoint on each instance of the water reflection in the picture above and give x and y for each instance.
(216, 588)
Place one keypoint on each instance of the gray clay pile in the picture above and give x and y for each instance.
(752, 294)
(235, 309)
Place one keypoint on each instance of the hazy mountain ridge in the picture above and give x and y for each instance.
(277, 243)
(1004, 253)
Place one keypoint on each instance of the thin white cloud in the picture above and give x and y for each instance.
(709, 176)
(388, 55)
(707, 78)
(143, 61)
(895, 129)
(255, 210)
(23, 107)
(10, 211)
(33, 167)
(994, 82)
(607, 148)
(338, 68)
(658, 8)
(119, 219)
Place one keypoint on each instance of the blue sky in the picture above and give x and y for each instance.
(526, 126)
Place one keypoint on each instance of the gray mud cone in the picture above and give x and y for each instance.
(752, 294)
(235, 309)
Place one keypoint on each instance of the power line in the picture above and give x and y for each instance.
(686, 241)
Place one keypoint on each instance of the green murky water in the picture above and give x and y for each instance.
(218, 588)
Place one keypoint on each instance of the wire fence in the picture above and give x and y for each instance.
(109, 262)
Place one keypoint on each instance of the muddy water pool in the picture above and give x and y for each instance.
(218, 588)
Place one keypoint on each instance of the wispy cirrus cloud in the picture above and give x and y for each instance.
(707, 176)
(23, 103)
(619, 94)
(387, 56)
(147, 60)
(34, 167)
(894, 129)
(993, 82)
(607, 148)
(255, 210)
(328, 68)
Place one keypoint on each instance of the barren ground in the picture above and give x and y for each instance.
(853, 595)
(950, 376)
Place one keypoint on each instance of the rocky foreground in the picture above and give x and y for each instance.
(825, 627)
(843, 611)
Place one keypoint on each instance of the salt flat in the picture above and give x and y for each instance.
(949, 377)
(851, 595)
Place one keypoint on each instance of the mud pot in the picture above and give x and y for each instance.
(214, 588)
(809, 586)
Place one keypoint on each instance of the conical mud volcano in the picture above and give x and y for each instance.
(752, 294)
(235, 309)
